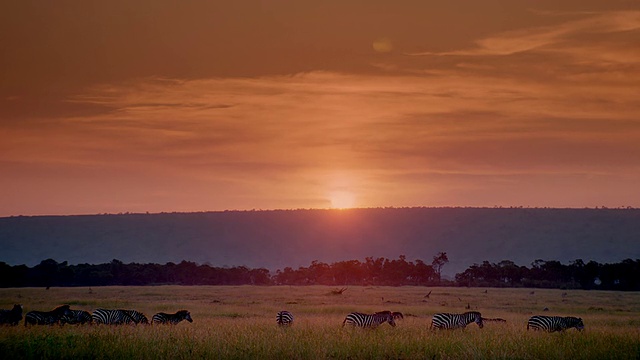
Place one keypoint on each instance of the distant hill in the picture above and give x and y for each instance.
(280, 238)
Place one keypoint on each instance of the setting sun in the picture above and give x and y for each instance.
(342, 199)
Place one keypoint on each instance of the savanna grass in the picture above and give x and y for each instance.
(239, 323)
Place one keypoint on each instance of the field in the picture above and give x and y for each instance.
(239, 323)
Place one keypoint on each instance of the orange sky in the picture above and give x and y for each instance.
(157, 105)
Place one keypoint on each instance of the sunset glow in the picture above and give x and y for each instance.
(155, 106)
(342, 200)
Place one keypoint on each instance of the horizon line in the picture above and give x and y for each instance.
(496, 207)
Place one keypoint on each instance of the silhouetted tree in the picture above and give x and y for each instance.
(438, 262)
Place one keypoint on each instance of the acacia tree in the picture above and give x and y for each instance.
(438, 262)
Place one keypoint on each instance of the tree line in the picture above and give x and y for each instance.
(624, 275)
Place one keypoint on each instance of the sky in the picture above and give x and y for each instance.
(160, 106)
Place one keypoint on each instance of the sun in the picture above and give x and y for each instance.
(342, 199)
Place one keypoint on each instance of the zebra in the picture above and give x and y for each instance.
(369, 320)
(11, 317)
(118, 317)
(456, 321)
(164, 318)
(76, 317)
(554, 323)
(284, 318)
(47, 317)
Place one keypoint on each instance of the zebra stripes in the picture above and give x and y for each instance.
(164, 318)
(284, 318)
(11, 317)
(554, 323)
(369, 320)
(76, 317)
(118, 317)
(47, 317)
(456, 321)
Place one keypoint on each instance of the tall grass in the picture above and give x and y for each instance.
(239, 323)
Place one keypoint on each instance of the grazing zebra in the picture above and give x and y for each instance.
(369, 320)
(11, 317)
(47, 317)
(554, 323)
(164, 318)
(284, 318)
(456, 321)
(76, 317)
(118, 317)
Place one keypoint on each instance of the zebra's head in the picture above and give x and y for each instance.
(62, 311)
(576, 322)
(387, 316)
(184, 314)
(136, 316)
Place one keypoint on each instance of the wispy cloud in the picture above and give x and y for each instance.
(549, 37)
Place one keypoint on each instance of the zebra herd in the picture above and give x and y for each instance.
(65, 315)
(446, 320)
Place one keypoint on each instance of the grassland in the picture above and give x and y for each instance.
(239, 323)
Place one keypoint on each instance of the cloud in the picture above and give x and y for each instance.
(313, 122)
(549, 37)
